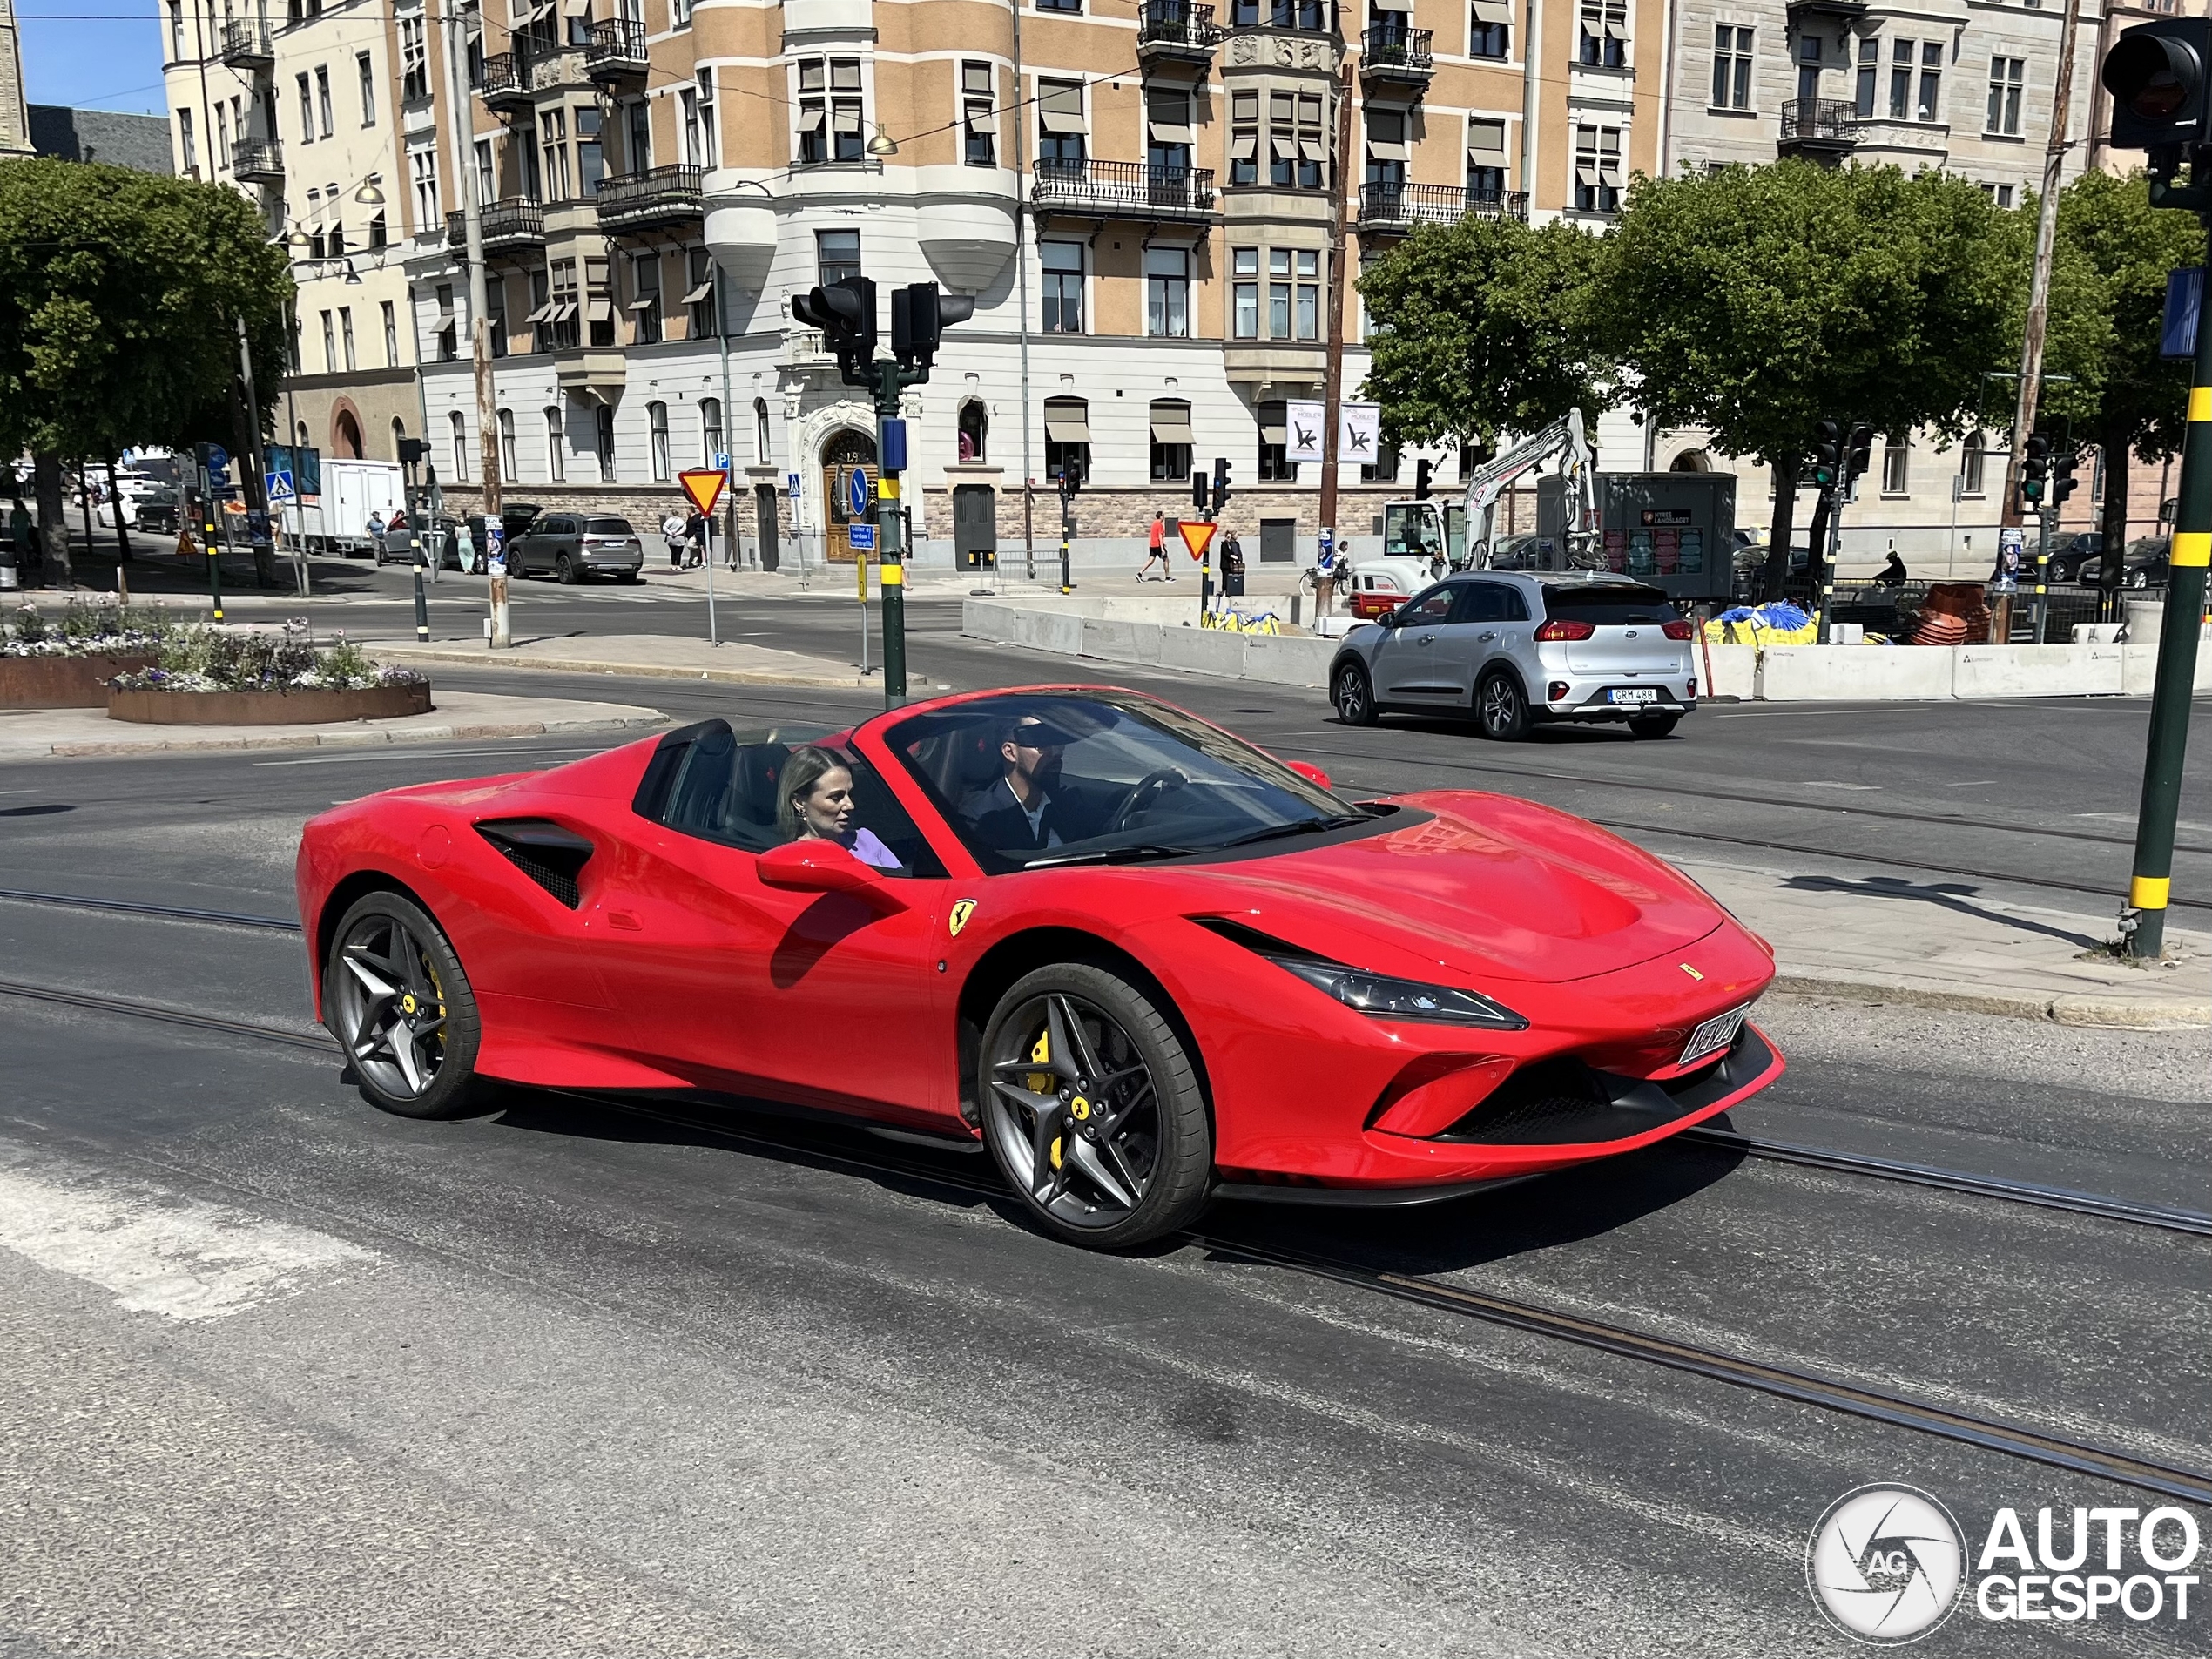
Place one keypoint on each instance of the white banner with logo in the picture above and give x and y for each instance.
(1303, 425)
(1361, 440)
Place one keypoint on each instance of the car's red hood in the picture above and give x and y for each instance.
(1486, 886)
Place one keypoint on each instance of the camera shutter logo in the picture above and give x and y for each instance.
(1886, 1564)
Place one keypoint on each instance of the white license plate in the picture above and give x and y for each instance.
(1635, 694)
(1716, 1034)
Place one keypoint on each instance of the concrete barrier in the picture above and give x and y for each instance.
(1734, 672)
(2036, 670)
(1855, 673)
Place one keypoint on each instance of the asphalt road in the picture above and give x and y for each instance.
(285, 1375)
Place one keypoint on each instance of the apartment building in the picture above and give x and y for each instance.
(1139, 194)
(307, 113)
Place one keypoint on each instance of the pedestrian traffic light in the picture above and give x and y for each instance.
(1220, 484)
(1858, 454)
(1199, 491)
(918, 316)
(2063, 482)
(2035, 466)
(1827, 454)
(844, 311)
(1421, 471)
(2156, 74)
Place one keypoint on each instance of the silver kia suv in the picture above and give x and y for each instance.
(1513, 648)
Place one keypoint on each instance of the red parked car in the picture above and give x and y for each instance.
(1145, 964)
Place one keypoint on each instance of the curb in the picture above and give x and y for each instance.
(340, 739)
(2069, 1008)
(629, 671)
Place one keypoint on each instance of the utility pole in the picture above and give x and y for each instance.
(472, 220)
(2039, 286)
(1332, 373)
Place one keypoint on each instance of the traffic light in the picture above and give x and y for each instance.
(1827, 454)
(2063, 482)
(1220, 484)
(1859, 454)
(1070, 478)
(1199, 491)
(2156, 74)
(2035, 466)
(844, 311)
(918, 316)
(1421, 471)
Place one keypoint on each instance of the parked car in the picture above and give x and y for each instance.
(2073, 558)
(1514, 553)
(573, 545)
(397, 546)
(1514, 649)
(2149, 562)
(157, 510)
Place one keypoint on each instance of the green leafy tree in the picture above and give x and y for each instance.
(1757, 301)
(1480, 329)
(120, 297)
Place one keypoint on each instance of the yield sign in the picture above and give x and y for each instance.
(1197, 535)
(703, 486)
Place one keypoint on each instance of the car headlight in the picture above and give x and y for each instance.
(1403, 999)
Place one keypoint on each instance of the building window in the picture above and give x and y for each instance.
(1383, 470)
(1485, 160)
(974, 431)
(2006, 76)
(329, 343)
(423, 168)
(829, 110)
(307, 110)
(1605, 33)
(186, 143)
(346, 335)
(645, 305)
(978, 115)
(599, 300)
(448, 325)
(1243, 138)
(1306, 262)
(557, 318)
(1869, 68)
(553, 154)
(1064, 287)
(591, 155)
(391, 334)
(414, 61)
(1931, 82)
(1274, 421)
(1894, 454)
(496, 313)
(813, 112)
(366, 69)
(1061, 126)
(657, 430)
(1597, 170)
(1278, 293)
(175, 31)
(705, 141)
(378, 234)
(1060, 5)
(836, 255)
(322, 100)
(1171, 440)
(603, 432)
(1243, 264)
(638, 147)
(699, 295)
(556, 465)
(1167, 291)
(1489, 29)
(1731, 67)
(507, 469)
(1971, 455)
(710, 451)
(1168, 133)
(1387, 151)
(1295, 145)
(761, 431)
(1067, 438)
(460, 428)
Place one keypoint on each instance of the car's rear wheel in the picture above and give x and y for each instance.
(1653, 725)
(396, 998)
(1092, 1109)
(626, 575)
(1502, 709)
(565, 571)
(1355, 696)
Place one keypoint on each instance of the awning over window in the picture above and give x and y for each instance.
(543, 313)
(1286, 149)
(1057, 121)
(848, 117)
(1311, 150)
(1244, 147)
(1273, 428)
(810, 120)
(1493, 11)
(1172, 132)
(1060, 107)
(1067, 421)
(1486, 138)
(1171, 423)
(700, 292)
(1387, 148)
(603, 311)
(1615, 31)
(981, 117)
(646, 303)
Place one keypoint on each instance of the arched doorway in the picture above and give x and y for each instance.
(1691, 460)
(845, 454)
(346, 436)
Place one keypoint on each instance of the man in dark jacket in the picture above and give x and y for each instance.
(1029, 806)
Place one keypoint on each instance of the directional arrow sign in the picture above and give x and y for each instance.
(857, 492)
(1197, 535)
(703, 486)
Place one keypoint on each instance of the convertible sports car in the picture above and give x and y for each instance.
(1146, 964)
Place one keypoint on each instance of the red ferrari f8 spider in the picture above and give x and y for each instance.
(1143, 962)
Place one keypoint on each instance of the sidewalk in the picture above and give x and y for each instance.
(37, 734)
(638, 656)
(1940, 944)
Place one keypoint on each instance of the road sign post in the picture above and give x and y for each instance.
(496, 563)
(1197, 536)
(704, 486)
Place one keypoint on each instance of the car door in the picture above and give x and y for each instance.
(822, 999)
(1408, 667)
(1478, 629)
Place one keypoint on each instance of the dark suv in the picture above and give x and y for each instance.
(573, 545)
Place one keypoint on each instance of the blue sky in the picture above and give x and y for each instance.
(95, 54)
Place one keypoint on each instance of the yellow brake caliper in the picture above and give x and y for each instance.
(1040, 1082)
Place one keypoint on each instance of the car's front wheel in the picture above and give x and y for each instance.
(1353, 693)
(396, 998)
(1092, 1108)
(1502, 709)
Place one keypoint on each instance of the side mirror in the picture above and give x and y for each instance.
(1307, 770)
(816, 865)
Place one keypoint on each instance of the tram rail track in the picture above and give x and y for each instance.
(136, 907)
(1830, 1394)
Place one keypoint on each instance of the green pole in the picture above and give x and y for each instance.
(2043, 516)
(2170, 697)
(890, 554)
(207, 540)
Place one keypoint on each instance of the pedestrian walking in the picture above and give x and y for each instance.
(700, 532)
(464, 545)
(376, 532)
(1157, 544)
(672, 531)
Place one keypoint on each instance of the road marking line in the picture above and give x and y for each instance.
(158, 1252)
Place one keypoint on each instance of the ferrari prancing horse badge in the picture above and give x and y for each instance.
(962, 909)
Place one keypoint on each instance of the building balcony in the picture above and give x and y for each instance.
(1397, 208)
(1819, 129)
(507, 86)
(615, 57)
(1124, 190)
(514, 223)
(1391, 55)
(658, 199)
(248, 48)
(256, 161)
(803, 348)
(1175, 31)
(1828, 12)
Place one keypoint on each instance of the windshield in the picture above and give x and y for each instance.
(1033, 779)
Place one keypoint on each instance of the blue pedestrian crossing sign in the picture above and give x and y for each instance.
(278, 486)
(856, 491)
(861, 537)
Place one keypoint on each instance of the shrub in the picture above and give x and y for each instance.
(200, 659)
(97, 626)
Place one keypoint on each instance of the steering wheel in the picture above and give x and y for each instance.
(1143, 794)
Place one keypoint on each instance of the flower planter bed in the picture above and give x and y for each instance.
(302, 706)
(64, 682)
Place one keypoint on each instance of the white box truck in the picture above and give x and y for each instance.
(351, 491)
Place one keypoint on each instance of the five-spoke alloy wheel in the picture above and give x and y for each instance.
(395, 997)
(1092, 1109)
(1355, 696)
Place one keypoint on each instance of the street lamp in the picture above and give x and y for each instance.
(368, 195)
(883, 144)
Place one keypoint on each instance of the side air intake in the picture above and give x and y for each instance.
(549, 855)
